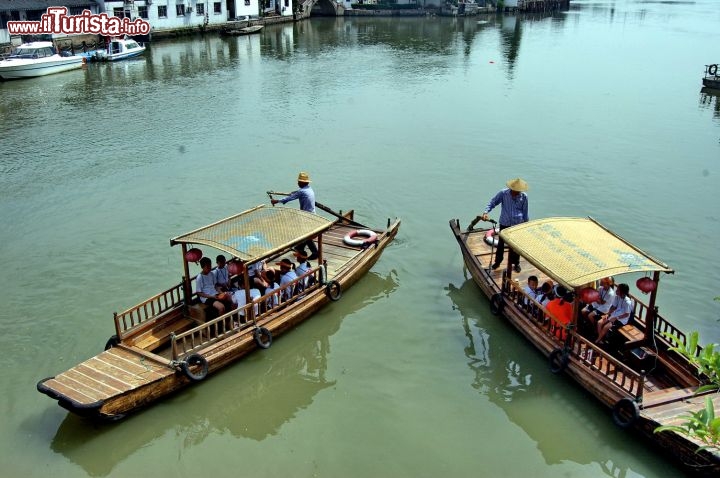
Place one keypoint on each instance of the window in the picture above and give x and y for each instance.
(119, 12)
(287, 3)
(247, 2)
(200, 9)
(217, 7)
(76, 10)
(162, 11)
(180, 9)
(143, 12)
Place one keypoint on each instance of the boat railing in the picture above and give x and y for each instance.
(245, 317)
(577, 346)
(661, 325)
(128, 320)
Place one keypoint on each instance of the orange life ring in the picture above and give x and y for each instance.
(491, 237)
(370, 238)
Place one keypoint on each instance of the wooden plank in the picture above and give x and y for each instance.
(68, 392)
(139, 358)
(102, 388)
(103, 377)
(129, 379)
(66, 379)
(131, 363)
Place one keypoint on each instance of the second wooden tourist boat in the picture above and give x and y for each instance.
(169, 341)
(635, 373)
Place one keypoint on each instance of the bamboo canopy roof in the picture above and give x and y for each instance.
(576, 251)
(257, 233)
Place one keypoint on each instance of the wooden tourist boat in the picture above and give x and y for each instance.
(634, 373)
(711, 78)
(169, 341)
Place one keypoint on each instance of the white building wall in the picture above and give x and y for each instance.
(176, 14)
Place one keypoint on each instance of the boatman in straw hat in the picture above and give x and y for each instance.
(306, 196)
(513, 210)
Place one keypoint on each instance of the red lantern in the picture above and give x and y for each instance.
(193, 255)
(589, 295)
(235, 267)
(646, 284)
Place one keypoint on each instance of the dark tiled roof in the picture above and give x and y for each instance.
(8, 5)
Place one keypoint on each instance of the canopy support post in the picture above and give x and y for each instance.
(187, 292)
(651, 311)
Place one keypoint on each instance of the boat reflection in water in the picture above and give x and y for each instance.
(252, 399)
(563, 421)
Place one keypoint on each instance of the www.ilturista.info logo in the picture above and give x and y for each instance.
(57, 20)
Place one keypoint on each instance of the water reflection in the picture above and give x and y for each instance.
(515, 377)
(710, 99)
(250, 400)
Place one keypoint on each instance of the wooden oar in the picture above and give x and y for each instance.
(324, 208)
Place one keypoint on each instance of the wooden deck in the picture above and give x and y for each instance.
(113, 372)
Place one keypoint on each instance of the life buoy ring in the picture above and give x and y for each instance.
(712, 70)
(194, 361)
(263, 343)
(558, 361)
(497, 304)
(113, 341)
(333, 290)
(625, 412)
(491, 238)
(370, 238)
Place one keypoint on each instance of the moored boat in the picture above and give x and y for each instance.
(171, 340)
(635, 373)
(34, 59)
(120, 49)
(244, 30)
(711, 78)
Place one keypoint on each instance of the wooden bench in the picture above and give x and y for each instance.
(160, 335)
(632, 335)
(201, 312)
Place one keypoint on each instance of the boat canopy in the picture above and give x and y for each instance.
(257, 233)
(575, 251)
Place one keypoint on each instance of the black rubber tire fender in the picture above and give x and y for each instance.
(333, 290)
(258, 335)
(625, 412)
(712, 70)
(497, 304)
(113, 341)
(195, 360)
(558, 361)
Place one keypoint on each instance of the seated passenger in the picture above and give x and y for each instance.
(602, 305)
(274, 300)
(303, 267)
(287, 275)
(546, 293)
(205, 288)
(561, 308)
(255, 272)
(222, 277)
(619, 314)
(531, 289)
(239, 299)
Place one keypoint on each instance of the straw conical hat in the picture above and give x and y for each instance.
(517, 184)
(303, 177)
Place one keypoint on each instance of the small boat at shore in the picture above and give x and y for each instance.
(171, 340)
(34, 59)
(711, 78)
(635, 372)
(244, 30)
(120, 49)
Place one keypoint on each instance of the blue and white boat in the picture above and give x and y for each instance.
(120, 49)
(36, 59)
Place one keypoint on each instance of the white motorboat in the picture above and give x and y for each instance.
(120, 49)
(36, 59)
